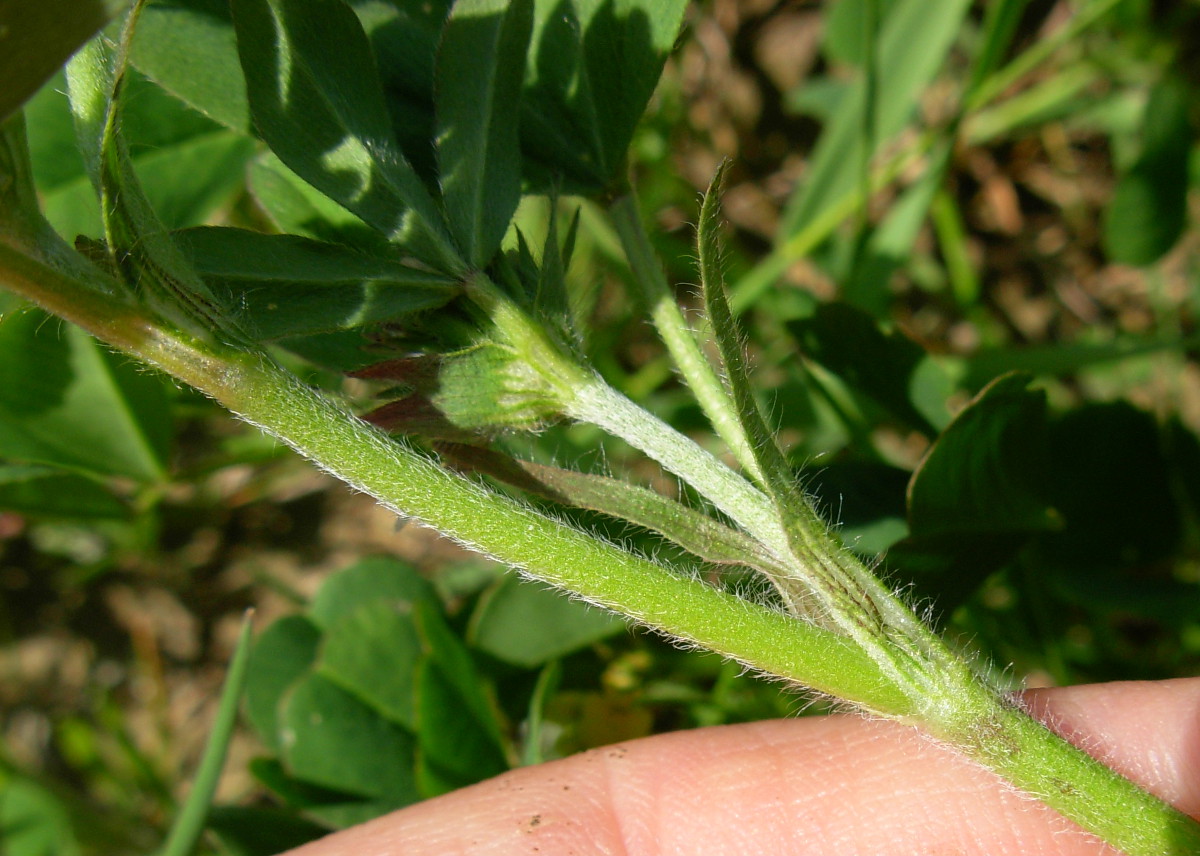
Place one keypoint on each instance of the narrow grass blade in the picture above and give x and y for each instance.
(913, 43)
(185, 832)
(999, 26)
(951, 234)
(1001, 79)
(890, 244)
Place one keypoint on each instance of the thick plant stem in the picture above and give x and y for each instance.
(951, 702)
(969, 716)
(1005, 739)
(809, 563)
(412, 485)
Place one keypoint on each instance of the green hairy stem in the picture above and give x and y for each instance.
(842, 632)
(964, 713)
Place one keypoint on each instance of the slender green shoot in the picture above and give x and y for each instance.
(189, 823)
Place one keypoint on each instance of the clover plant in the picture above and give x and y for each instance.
(397, 140)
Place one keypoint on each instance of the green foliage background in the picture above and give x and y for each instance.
(986, 373)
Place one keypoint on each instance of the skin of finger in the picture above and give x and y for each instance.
(837, 784)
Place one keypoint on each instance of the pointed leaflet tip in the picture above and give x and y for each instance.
(767, 463)
(480, 70)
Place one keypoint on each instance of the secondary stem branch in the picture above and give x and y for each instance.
(672, 327)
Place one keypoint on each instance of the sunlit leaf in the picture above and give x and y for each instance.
(287, 285)
(480, 68)
(316, 98)
(593, 66)
(67, 402)
(189, 48)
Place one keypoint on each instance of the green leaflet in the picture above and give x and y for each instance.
(296, 207)
(240, 254)
(1148, 211)
(593, 66)
(283, 653)
(41, 491)
(188, 165)
(36, 38)
(188, 47)
(370, 700)
(377, 639)
(67, 402)
(33, 820)
(454, 756)
(287, 285)
(316, 98)
(363, 583)
(526, 624)
(1115, 479)
(337, 741)
(986, 471)
(480, 68)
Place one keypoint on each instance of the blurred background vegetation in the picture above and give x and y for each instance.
(1030, 180)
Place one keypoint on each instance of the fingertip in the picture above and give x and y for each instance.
(839, 784)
